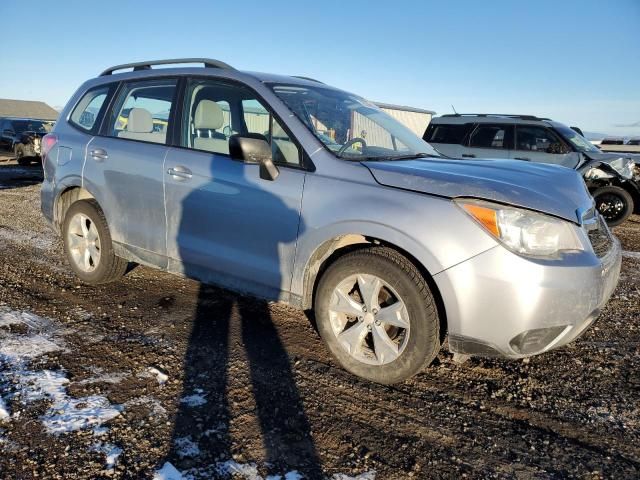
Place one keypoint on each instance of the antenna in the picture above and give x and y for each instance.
(454, 109)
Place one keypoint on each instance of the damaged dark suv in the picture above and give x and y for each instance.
(23, 137)
(613, 178)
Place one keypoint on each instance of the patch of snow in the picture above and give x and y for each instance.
(628, 254)
(100, 431)
(363, 476)
(248, 471)
(36, 241)
(101, 377)
(167, 472)
(153, 404)
(194, 400)
(12, 317)
(4, 411)
(185, 447)
(161, 377)
(65, 413)
(22, 347)
(111, 452)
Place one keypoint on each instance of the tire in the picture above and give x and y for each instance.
(615, 204)
(103, 265)
(404, 290)
(20, 158)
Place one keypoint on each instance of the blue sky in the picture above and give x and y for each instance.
(575, 61)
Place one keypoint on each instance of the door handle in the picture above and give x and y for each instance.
(468, 155)
(180, 173)
(522, 158)
(99, 154)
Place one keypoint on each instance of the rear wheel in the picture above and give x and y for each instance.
(377, 316)
(615, 204)
(87, 244)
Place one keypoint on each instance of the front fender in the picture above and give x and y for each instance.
(432, 230)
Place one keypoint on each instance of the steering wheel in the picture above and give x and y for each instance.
(350, 143)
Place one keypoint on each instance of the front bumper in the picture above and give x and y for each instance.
(501, 304)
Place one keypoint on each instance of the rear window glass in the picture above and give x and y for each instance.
(86, 113)
(445, 133)
(488, 136)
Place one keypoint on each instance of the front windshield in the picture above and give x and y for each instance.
(351, 127)
(28, 126)
(578, 141)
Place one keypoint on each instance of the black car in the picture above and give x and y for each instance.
(23, 137)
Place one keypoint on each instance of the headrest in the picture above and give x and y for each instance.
(140, 121)
(208, 115)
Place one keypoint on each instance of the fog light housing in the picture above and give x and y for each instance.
(537, 340)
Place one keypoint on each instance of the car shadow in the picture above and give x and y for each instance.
(237, 371)
(13, 175)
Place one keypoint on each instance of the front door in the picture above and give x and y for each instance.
(225, 224)
(539, 144)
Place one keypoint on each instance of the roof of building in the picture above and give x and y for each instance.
(26, 109)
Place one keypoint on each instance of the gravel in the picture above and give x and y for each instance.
(212, 384)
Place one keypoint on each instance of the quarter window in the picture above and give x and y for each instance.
(488, 136)
(86, 113)
(142, 111)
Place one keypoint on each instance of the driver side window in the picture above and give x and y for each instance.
(216, 110)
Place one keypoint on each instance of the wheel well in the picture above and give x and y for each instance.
(65, 200)
(332, 250)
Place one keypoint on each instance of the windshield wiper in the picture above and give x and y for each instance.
(413, 156)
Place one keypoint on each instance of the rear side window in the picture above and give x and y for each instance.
(90, 108)
(142, 111)
(489, 136)
(441, 133)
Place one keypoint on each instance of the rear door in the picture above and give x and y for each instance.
(124, 166)
(489, 140)
(536, 143)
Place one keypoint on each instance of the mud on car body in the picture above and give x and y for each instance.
(258, 183)
(22, 137)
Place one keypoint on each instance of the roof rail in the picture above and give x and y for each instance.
(207, 62)
(509, 115)
(307, 78)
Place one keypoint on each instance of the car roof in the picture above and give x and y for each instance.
(460, 119)
(212, 67)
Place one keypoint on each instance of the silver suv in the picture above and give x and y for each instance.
(613, 178)
(288, 189)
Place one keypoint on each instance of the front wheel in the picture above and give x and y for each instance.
(377, 316)
(615, 204)
(87, 244)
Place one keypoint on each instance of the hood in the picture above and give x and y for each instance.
(546, 188)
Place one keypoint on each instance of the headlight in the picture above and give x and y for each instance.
(624, 166)
(523, 231)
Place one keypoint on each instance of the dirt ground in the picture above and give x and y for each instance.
(162, 371)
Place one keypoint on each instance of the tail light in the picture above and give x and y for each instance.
(48, 142)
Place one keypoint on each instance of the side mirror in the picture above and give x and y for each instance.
(254, 148)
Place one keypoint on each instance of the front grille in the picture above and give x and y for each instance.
(600, 237)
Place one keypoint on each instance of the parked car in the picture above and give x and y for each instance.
(612, 178)
(391, 245)
(23, 137)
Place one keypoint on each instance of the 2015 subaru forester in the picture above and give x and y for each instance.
(288, 189)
